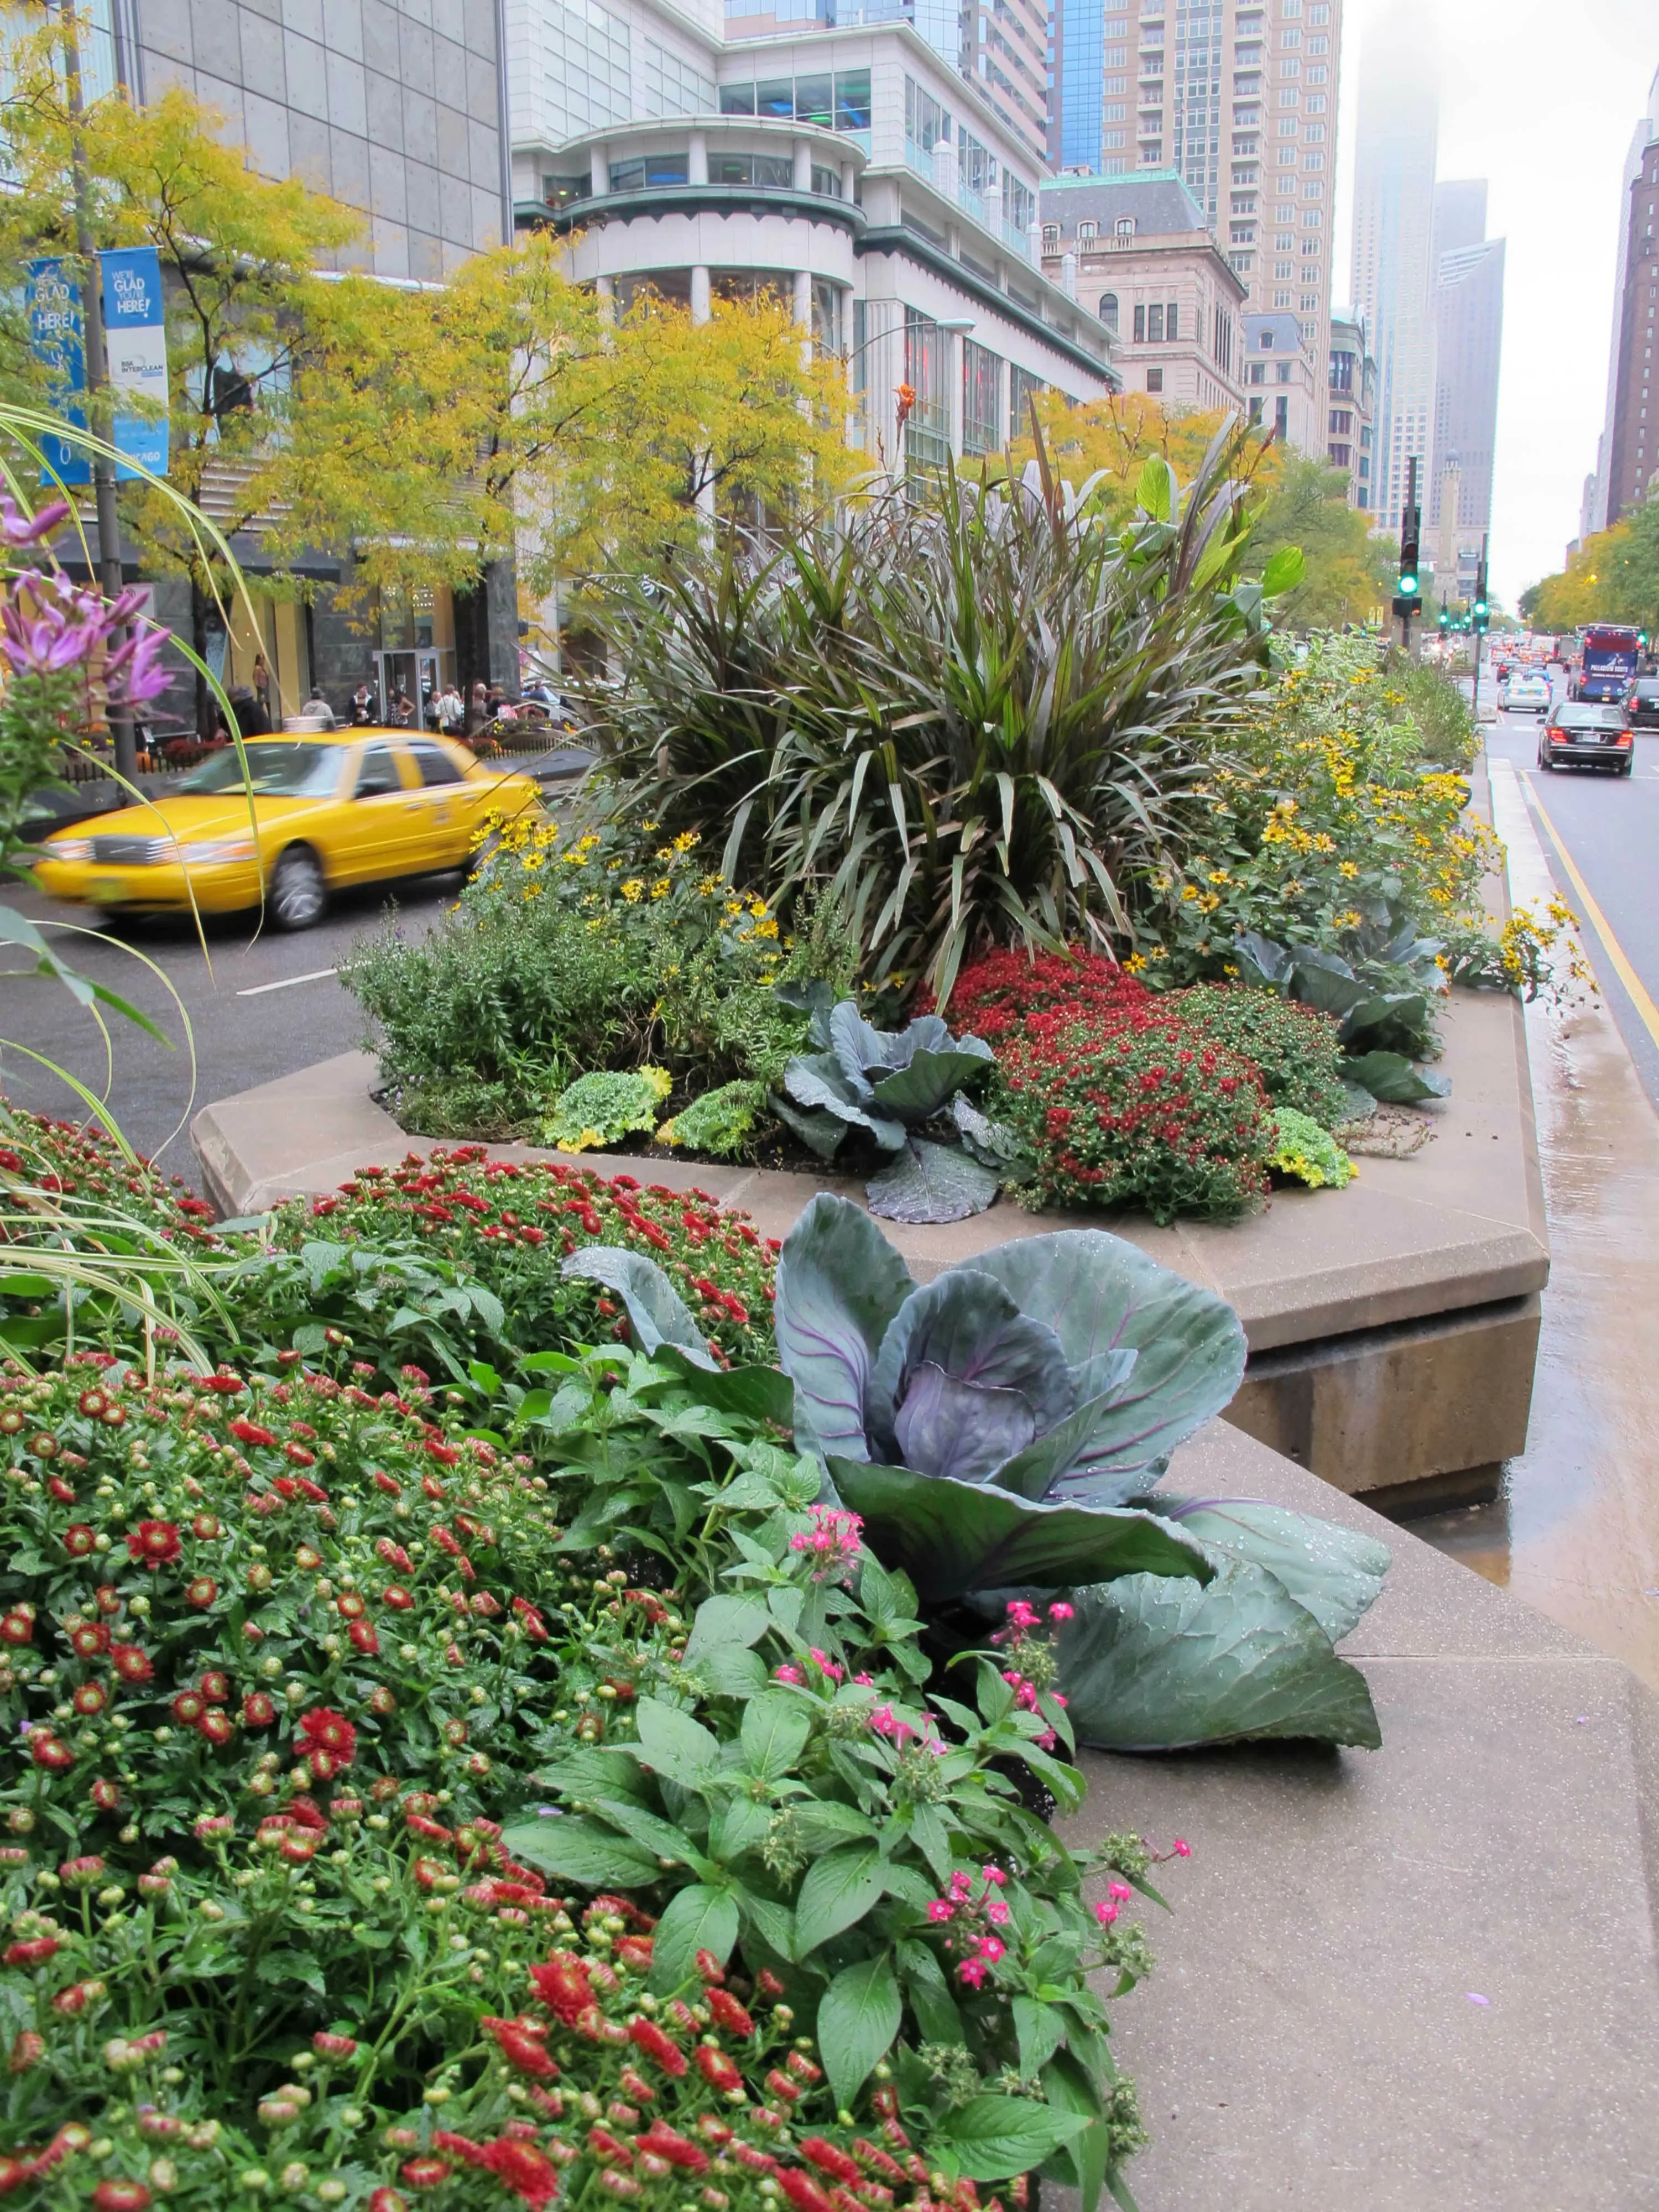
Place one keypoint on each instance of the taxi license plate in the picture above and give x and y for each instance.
(105, 891)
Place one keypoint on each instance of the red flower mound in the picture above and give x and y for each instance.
(1130, 1108)
(993, 996)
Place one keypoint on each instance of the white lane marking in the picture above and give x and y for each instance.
(317, 975)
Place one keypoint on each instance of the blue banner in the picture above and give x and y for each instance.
(53, 307)
(136, 349)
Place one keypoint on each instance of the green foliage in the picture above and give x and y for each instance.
(1303, 1148)
(1443, 718)
(719, 1122)
(1328, 822)
(1346, 575)
(973, 721)
(604, 1107)
(1294, 1048)
(580, 953)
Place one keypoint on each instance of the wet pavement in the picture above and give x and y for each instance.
(1575, 1530)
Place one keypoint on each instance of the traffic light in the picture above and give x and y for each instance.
(1482, 610)
(1445, 620)
(1409, 600)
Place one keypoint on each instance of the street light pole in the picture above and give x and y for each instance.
(98, 413)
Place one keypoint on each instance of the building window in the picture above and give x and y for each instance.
(1255, 414)
(587, 77)
(1087, 232)
(981, 397)
(1172, 321)
(1140, 327)
(1341, 456)
(829, 316)
(1341, 421)
(826, 182)
(1155, 323)
(1125, 225)
(1282, 417)
(564, 192)
(1022, 388)
(1051, 238)
(926, 123)
(927, 433)
(673, 87)
(1284, 368)
(769, 173)
(1155, 380)
(1256, 373)
(655, 172)
(1108, 312)
(1341, 372)
(852, 100)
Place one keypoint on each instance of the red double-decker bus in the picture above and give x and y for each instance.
(1606, 665)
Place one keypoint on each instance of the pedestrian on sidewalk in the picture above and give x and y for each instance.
(452, 711)
(365, 710)
(262, 686)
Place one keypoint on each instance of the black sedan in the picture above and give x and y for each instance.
(1580, 732)
(1644, 703)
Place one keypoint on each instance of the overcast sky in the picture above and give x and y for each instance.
(1541, 97)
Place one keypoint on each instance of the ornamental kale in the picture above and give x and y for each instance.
(1003, 1427)
(891, 1086)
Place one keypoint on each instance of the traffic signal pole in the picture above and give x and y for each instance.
(1408, 600)
(1482, 617)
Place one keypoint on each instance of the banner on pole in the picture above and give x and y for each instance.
(136, 345)
(58, 338)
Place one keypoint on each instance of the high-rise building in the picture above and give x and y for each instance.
(849, 168)
(1393, 266)
(1629, 454)
(1468, 313)
(1240, 99)
(1350, 422)
(393, 107)
(396, 108)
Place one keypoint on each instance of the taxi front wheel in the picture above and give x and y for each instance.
(298, 892)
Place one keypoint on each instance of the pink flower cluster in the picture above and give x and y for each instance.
(965, 1905)
(1023, 1618)
(833, 1542)
(899, 1732)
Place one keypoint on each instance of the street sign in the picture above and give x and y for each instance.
(136, 345)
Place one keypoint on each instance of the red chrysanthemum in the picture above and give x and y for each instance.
(155, 1544)
(257, 1709)
(249, 1432)
(325, 1729)
(80, 1541)
(522, 2049)
(563, 1987)
(521, 2167)
(130, 1662)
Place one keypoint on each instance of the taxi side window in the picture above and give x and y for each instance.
(435, 764)
(377, 772)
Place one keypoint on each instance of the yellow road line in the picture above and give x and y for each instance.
(1598, 922)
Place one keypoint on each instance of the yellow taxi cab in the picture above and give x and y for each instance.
(332, 808)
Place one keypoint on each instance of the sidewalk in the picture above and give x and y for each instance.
(1576, 1534)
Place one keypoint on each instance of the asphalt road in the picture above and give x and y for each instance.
(240, 1030)
(1608, 827)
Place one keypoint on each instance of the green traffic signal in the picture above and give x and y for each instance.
(1408, 585)
(1445, 618)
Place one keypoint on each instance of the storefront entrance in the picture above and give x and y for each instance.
(409, 679)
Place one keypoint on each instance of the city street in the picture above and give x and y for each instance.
(257, 1003)
(1607, 828)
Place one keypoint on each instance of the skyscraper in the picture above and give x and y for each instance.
(1393, 219)
(1629, 453)
(1240, 99)
(1468, 314)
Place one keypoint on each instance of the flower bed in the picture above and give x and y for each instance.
(286, 1656)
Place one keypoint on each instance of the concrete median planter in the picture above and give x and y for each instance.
(1393, 1326)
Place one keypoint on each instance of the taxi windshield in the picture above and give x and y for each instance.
(291, 769)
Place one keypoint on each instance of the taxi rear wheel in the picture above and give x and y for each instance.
(299, 895)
